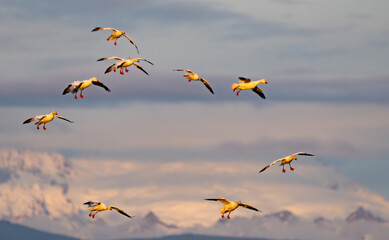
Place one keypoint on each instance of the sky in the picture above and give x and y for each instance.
(325, 62)
(317, 198)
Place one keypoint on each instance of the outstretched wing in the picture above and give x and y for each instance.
(121, 211)
(73, 87)
(244, 79)
(139, 67)
(69, 88)
(103, 28)
(258, 91)
(100, 84)
(263, 169)
(110, 68)
(91, 203)
(222, 200)
(207, 85)
(60, 117)
(131, 42)
(304, 154)
(249, 207)
(142, 59)
(108, 58)
(184, 70)
(38, 117)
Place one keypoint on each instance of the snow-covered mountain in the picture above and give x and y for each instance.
(46, 191)
(34, 184)
(363, 215)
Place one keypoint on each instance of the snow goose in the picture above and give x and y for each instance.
(191, 76)
(76, 86)
(287, 160)
(123, 63)
(43, 119)
(230, 206)
(246, 83)
(116, 64)
(99, 207)
(116, 34)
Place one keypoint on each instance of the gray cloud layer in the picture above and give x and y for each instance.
(135, 86)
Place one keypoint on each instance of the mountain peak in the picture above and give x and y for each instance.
(284, 216)
(364, 215)
(153, 220)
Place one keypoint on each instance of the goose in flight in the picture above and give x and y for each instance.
(191, 76)
(99, 207)
(116, 64)
(287, 160)
(115, 35)
(246, 83)
(123, 63)
(43, 119)
(76, 86)
(230, 206)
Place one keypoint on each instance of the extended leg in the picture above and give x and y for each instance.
(228, 216)
(75, 96)
(81, 94)
(37, 126)
(121, 71)
(90, 214)
(237, 93)
(44, 126)
(126, 69)
(93, 216)
(283, 168)
(223, 215)
(291, 167)
(115, 42)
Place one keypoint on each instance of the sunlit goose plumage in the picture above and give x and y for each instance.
(191, 76)
(116, 34)
(286, 160)
(43, 119)
(99, 207)
(246, 83)
(114, 66)
(230, 206)
(76, 86)
(123, 63)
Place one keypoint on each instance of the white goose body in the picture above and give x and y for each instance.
(115, 35)
(43, 119)
(191, 76)
(99, 207)
(286, 160)
(230, 206)
(123, 63)
(246, 84)
(76, 86)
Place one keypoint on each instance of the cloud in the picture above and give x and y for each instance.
(64, 50)
(180, 187)
(164, 85)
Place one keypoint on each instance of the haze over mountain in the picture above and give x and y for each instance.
(46, 191)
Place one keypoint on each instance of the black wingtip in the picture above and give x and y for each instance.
(95, 29)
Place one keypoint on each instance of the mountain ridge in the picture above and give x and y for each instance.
(46, 191)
